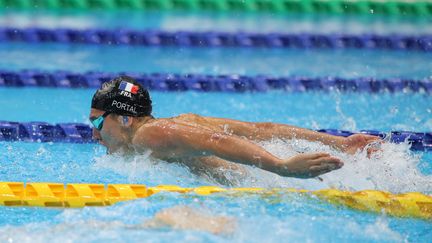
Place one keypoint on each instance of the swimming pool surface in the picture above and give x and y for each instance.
(347, 63)
(289, 217)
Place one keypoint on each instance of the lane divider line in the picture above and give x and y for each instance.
(421, 43)
(214, 83)
(82, 133)
(73, 195)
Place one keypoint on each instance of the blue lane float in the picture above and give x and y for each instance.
(45, 132)
(217, 39)
(82, 133)
(213, 83)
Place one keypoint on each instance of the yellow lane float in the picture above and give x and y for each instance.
(74, 195)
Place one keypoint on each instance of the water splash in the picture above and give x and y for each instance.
(349, 122)
(146, 169)
(380, 230)
(394, 169)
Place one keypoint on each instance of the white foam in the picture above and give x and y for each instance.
(394, 169)
(377, 231)
(144, 167)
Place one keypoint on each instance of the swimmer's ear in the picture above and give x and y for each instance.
(125, 120)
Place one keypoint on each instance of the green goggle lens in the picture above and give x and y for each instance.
(98, 122)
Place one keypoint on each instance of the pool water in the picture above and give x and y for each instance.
(248, 61)
(396, 169)
(257, 220)
(292, 217)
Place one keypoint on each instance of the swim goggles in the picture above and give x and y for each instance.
(98, 122)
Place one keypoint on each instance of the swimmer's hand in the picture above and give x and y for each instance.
(357, 142)
(308, 165)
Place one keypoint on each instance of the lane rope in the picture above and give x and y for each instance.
(412, 204)
(82, 133)
(214, 83)
(397, 8)
(217, 39)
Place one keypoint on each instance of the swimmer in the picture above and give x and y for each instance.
(180, 217)
(121, 114)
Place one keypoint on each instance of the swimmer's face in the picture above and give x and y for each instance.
(110, 135)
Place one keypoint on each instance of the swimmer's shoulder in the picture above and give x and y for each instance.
(153, 133)
(188, 117)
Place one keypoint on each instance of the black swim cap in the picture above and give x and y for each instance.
(123, 96)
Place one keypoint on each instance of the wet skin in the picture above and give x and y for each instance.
(211, 142)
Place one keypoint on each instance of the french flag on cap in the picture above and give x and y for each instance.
(125, 86)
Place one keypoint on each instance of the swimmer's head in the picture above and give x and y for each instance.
(118, 109)
(123, 96)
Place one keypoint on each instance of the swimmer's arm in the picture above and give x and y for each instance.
(178, 140)
(215, 167)
(267, 130)
(168, 139)
(203, 163)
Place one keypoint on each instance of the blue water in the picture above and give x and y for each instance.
(249, 61)
(294, 218)
(208, 21)
(289, 217)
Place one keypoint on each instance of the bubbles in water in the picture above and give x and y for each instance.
(394, 110)
(429, 124)
(41, 151)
